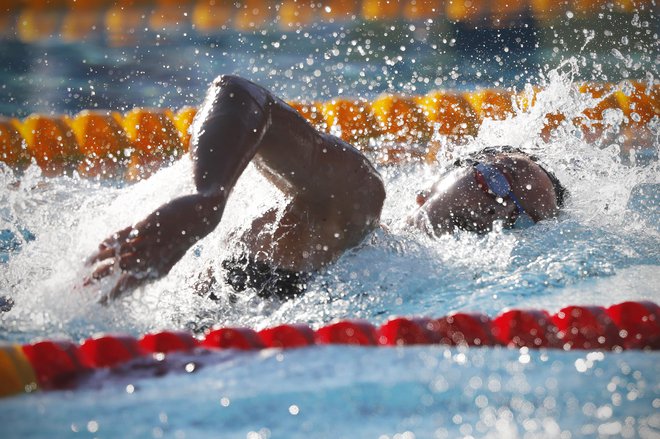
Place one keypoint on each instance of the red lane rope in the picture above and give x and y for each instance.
(627, 325)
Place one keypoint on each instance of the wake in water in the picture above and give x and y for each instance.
(602, 249)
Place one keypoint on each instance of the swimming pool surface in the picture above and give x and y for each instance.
(603, 249)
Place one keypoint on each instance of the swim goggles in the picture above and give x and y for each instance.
(493, 181)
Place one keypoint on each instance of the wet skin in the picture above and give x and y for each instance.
(456, 201)
(335, 194)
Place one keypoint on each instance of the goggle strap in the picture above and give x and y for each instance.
(484, 183)
(515, 200)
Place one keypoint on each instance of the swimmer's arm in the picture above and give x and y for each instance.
(240, 121)
(150, 248)
(325, 176)
(226, 135)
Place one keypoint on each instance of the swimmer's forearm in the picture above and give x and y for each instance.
(150, 248)
(187, 219)
(227, 133)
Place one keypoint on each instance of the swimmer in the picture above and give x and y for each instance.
(500, 184)
(336, 197)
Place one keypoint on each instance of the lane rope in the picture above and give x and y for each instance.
(390, 129)
(76, 20)
(57, 364)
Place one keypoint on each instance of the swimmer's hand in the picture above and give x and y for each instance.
(149, 249)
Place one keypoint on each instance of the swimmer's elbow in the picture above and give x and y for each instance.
(223, 79)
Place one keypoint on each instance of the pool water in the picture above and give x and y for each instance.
(347, 392)
(603, 249)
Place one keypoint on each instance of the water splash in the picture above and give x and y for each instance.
(605, 241)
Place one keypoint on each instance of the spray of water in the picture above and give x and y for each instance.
(604, 245)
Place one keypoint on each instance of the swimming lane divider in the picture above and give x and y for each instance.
(31, 21)
(390, 129)
(60, 364)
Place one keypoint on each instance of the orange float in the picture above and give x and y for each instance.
(340, 10)
(122, 23)
(491, 104)
(36, 24)
(352, 118)
(166, 14)
(546, 9)
(51, 142)
(154, 137)
(552, 122)
(293, 14)
(102, 140)
(640, 102)
(253, 14)
(79, 23)
(380, 9)
(421, 9)
(152, 130)
(466, 10)
(183, 119)
(409, 124)
(211, 15)
(16, 372)
(504, 12)
(587, 7)
(13, 150)
(312, 112)
(451, 112)
(591, 124)
(451, 116)
(526, 100)
(402, 118)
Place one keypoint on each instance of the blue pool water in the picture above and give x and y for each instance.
(603, 249)
(346, 392)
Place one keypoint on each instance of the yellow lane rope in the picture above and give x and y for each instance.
(72, 20)
(392, 128)
(16, 372)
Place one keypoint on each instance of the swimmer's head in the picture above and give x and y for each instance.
(475, 197)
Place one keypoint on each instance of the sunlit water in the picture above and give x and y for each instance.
(603, 249)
